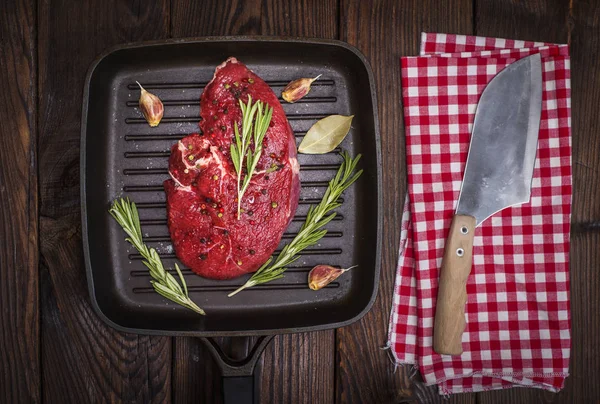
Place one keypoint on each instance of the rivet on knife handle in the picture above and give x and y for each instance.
(452, 293)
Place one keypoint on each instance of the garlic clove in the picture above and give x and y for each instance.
(297, 89)
(151, 106)
(322, 275)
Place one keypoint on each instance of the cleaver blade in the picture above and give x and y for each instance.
(498, 174)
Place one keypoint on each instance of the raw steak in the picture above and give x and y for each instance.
(202, 191)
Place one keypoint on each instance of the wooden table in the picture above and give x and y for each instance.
(54, 348)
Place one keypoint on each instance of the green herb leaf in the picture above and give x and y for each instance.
(235, 157)
(312, 230)
(326, 134)
(126, 214)
(241, 151)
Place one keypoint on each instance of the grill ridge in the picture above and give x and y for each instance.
(182, 86)
(154, 235)
(196, 102)
(227, 288)
(160, 222)
(308, 251)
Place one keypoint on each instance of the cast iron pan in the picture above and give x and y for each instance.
(122, 156)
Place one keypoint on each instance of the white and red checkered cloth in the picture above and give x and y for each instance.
(518, 319)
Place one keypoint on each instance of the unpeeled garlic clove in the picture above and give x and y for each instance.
(151, 106)
(322, 275)
(297, 89)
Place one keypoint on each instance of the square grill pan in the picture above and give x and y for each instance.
(122, 156)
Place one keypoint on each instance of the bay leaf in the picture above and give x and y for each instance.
(326, 134)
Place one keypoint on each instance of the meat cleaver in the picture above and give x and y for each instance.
(497, 175)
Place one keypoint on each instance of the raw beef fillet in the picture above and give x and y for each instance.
(202, 192)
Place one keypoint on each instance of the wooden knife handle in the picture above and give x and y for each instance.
(452, 290)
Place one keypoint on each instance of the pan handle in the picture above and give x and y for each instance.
(238, 375)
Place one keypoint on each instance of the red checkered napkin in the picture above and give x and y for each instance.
(518, 319)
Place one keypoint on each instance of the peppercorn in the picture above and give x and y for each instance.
(203, 257)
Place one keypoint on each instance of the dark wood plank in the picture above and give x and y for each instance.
(384, 31)
(307, 359)
(19, 300)
(84, 360)
(307, 18)
(585, 289)
(299, 368)
(584, 20)
(548, 22)
(213, 17)
(196, 377)
(536, 20)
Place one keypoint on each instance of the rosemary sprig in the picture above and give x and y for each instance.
(241, 148)
(165, 284)
(312, 229)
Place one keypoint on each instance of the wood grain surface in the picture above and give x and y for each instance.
(584, 24)
(79, 349)
(384, 31)
(364, 372)
(19, 281)
(53, 346)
